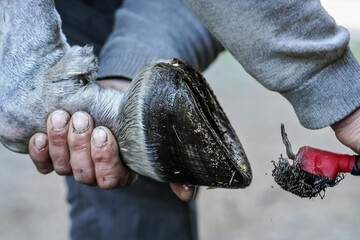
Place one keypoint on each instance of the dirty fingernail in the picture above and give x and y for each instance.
(133, 178)
(80, 122)
(99, 137)
(40, 142)
(59, 120)
(190, 191)
(194, 193)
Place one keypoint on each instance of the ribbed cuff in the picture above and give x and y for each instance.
(330, 95)
(125, 64)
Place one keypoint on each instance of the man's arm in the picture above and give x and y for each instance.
(146, 31)
(292, 47)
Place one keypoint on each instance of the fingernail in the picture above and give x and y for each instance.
(134, 177)
(186, 187)
(195, 192)
(59, 119)
(40, 142)
(80, 122)
(99, 137)
(191, 188)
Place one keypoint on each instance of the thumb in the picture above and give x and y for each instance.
(347, 131)
(184, 192)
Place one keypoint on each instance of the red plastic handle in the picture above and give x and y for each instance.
(320, 162)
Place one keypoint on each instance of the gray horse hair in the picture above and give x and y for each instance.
(40, 72)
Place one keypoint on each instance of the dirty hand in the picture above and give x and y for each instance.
(347, 131)
(73, 146)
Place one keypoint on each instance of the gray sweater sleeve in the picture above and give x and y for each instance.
(150, 30)
(293, 47)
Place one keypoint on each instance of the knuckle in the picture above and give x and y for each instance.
(108, 182)
(110, 176)
(42, 164)
(58, 139)
(84, 176)
(38, 160)
(102, 157)
(62, 170)
(79, 144)
(60, 159)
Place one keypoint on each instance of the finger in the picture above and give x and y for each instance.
(39, 153)
(347, 131)
(79, 137)
(57, 130)
(109, 169)
(184, 192)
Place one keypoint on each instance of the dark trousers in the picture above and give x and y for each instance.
(145, 210)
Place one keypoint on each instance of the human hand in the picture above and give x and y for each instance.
(347, 131)
(73, 146)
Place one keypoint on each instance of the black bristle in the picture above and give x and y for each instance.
(299, 182)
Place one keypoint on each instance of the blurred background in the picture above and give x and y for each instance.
(33, 206)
